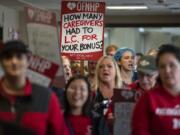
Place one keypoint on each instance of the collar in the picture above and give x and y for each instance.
(136, 86)
(165, 92)
(27, 89)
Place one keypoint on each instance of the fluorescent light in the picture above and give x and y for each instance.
(141, 30)
(125, 7)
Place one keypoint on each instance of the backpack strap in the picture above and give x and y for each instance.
(69, 126)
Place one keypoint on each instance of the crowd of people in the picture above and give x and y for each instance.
(84, 106)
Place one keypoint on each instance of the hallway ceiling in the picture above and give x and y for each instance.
(154, 6)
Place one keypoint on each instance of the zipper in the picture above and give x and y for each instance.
(13, 109)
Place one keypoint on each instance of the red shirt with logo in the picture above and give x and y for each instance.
(157, 113)
(82, 125)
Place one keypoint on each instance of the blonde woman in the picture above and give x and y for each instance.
(107, 77)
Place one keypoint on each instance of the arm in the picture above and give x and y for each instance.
(55, 118)
(141, 117)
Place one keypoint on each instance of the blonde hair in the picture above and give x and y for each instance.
(118, 79)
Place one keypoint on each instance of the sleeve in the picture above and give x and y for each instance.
(141, 117)
(56, 122)
(100, 126)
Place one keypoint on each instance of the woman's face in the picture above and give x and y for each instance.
(107, 71)
(77, 93)
(169, 69)
(127, 61)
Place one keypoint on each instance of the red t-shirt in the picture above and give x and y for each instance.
(157, 113)
(82, 125)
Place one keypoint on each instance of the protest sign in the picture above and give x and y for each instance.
(42, 33)
(82, 29)
(43, 38)
(40, 70)
(123, 102)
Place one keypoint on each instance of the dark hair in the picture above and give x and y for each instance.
(168, 48)
(139, 54)
(13, 47)
(87, 106)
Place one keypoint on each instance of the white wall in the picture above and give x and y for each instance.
(9, 18)
(124, 37)
(176, 40)
(155, 39)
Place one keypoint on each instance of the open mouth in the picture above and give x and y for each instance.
(105, 74)
(76, 99)
(130, 65)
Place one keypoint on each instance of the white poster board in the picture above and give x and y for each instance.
(123, 102)
(82, 29)
(43, 37)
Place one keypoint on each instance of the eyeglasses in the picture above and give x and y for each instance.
(140, 74)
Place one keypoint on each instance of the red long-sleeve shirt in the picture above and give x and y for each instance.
(157, 113)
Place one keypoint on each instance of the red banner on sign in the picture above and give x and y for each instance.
(82, 29)
(35, 15)
(41, 70)
(123, 104)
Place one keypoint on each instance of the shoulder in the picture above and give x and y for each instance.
(41, 93)
(134, 85)
(157, 90)
(152, 96)
(38, 89)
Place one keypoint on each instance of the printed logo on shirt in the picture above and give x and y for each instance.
(168, 111)
(176, 123)
(89, 130)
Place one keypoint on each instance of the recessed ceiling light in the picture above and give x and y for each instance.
(126, 7)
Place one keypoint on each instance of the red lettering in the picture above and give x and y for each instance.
(89, 37)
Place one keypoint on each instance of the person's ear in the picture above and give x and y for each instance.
(119, 62)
